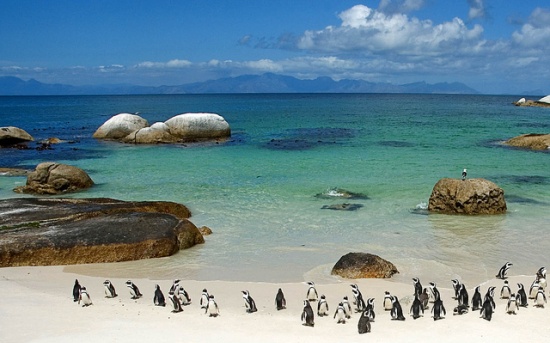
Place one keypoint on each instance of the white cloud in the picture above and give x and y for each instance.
(478, 9)
(400, 6)
(536, 32)
(160, 65)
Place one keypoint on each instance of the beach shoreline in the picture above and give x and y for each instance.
(37, 306)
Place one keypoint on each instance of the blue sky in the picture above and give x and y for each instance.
(494, 46)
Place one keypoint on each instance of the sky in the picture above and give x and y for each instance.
(493, 46)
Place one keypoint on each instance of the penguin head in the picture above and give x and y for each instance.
(129, 283)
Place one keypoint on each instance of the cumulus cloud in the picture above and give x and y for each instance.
(478, 9)
(535, 33)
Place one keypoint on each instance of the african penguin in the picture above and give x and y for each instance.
(463, 298)
(175, 287)
(424, 298)
(176, 304)
(540, 298)
(533, 290)
(417, 286)
(307, 315)
(487, 309)
(360, 303)
(489, 297)
(396, 311)
(476, 299)
(505, 291)
(84, 297)
(322, 307)
(521, 297)
(512, 306)
(355, 290)
(438, 310)
(109, 289)
(183, 296)
(363, 326)
(456, 287)
(311, 294)
(347, 307)
(204, 298)
(212, 308)
(541, 277)
(464, 173)
(134, 290)
(541, 272)
(249, 303)
(388, 304)
(76, 290)
(417, 310)
(434, 291)
(340, 313)
(369, 310)
(460, 310)
(504, 270)
(158, 298)
(280, 301)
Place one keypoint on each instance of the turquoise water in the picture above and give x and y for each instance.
(257, 191)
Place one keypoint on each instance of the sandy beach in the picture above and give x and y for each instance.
(37, 306)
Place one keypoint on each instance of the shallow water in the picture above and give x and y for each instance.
(257, 191)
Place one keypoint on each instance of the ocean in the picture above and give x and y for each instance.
(258, 192)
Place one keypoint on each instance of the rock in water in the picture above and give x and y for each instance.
(10, 135)
(534, 141)
(470, 196)
(198, 126)
(356, 265)
(55, 178)
(120, 126)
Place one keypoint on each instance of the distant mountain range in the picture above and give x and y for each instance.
(266, 83)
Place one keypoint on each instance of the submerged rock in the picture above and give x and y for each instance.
(336, 193)
(356, 265)
(55, 178)
(73, 231)
(535, 141)
(11, 135)
(342, 207)
(470, 196)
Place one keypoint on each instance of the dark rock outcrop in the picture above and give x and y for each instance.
(11, 135)
(342, 207)
(534, 141)
(55, 178)
(356, 265)
(470, 196)
(72, 231)
(339, 193)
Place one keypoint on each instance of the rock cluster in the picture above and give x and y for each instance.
(470, 196)
(73, 231)
(535, 141)
(187, 127)
(55, 178)
(356, 265)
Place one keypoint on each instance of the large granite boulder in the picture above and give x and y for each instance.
(10, 135)
(72, 231)
(535, 141)
(154, 134)
(120, 126)
(198, 126)
(357, 265)
(470, 196)
(55, 178)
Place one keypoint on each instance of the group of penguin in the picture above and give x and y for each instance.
(179, 297)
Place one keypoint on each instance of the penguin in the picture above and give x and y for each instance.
(84, 297)
(486, 310)
(489, 296)
(175, 287)
(347, 307)
(134, 290)
(463, 298)
(464, 174)
(211, 307)
(388, 304)
(307, 315)
(417, 310)
(541, 273)
(369, 310)
(176, 304)
(183, 296)
(505, 291)
(456, 287)
(438, 309)
(249, 303)
(363, 326)
(424, 298)
(360, 303)
(504, 270)
(280, 301)
(540, 298)
(110, 291)
(76, 290)
(158, 298)
(460, 310)
(396, 311)
(356, 292)
(533, 290)
(512, 306)
(341, 314)
(521, 296)
(204, 298)
(311, 294)
(417, 286)
(476, 299)
(322, 307)
(434, 292)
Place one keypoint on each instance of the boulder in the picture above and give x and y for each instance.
(535, 141)
(470, 196)
(545, 100)
(154, 134)
(120, 126)
(11, 135)
(55, 178)
(356, 265)
(47, 231)
(205, 230)
(198, 126)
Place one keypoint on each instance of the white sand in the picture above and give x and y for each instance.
(36, 306)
